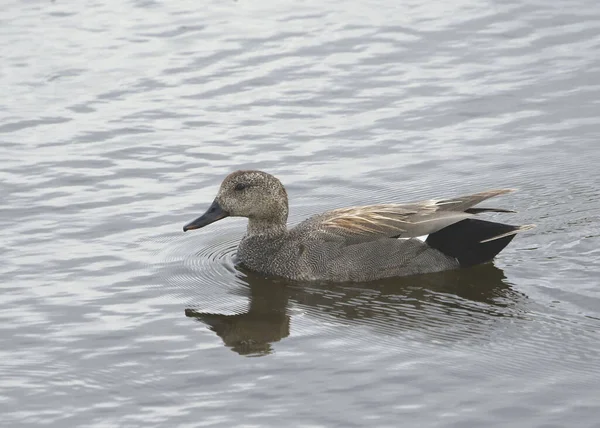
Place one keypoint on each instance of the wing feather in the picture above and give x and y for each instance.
(371, 222)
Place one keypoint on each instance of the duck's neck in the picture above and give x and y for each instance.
(266, 227)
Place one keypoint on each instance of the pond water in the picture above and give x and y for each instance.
(118, 121)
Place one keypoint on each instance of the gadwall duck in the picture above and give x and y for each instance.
(360, 243)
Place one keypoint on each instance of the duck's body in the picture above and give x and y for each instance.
(304, 256)
(357, 243)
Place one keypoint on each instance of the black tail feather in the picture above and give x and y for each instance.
(488, 210)
(462, 240)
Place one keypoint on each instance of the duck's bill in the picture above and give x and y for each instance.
(214, 213)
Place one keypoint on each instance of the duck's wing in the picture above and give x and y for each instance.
(372, 222)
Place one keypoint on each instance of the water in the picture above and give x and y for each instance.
(118, 121)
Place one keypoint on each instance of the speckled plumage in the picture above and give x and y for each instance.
(356, 243)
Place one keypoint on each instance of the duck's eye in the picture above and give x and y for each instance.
(241, 186)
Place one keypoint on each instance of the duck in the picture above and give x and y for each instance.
(358, 243)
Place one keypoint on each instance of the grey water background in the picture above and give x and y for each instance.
(119, 119)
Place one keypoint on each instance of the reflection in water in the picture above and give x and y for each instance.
(447, 305)
(252, 332)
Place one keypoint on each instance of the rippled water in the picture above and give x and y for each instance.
(118, 121)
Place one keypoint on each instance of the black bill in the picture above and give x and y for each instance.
(214, 213)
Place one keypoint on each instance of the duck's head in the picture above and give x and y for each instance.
(254, 194)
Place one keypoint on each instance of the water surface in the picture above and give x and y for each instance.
(118, 120)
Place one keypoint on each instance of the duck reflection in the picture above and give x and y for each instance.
(419, 302)
(252, 332)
